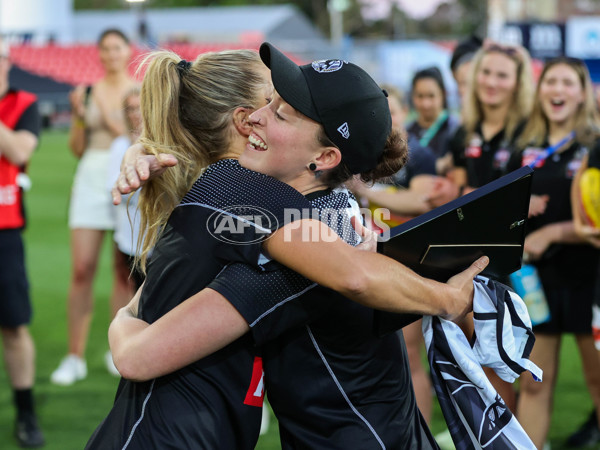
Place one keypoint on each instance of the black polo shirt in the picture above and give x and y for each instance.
(484, 161)
(332, 383)
(216, 402)
(561, 264)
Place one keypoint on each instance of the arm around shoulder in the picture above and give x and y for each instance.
(199, 326)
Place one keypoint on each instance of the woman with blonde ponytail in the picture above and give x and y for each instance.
(197, 112)
(218, 83)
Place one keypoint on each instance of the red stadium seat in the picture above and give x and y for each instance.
(78, 64)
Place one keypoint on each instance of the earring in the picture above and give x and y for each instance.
(312, 167)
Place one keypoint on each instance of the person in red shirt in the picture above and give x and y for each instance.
(19, 130)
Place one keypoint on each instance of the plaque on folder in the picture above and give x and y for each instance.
(445, 241)
(488, 221)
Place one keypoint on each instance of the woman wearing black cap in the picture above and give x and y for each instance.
(338, 117)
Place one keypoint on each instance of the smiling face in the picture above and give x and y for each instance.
(560, 93)
(282, 144)
(114, 53)
(428, 99)
(496, 80)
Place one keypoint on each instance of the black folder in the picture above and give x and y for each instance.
(488, 221)
(445, 241)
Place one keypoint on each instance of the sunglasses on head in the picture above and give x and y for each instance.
(507, 50)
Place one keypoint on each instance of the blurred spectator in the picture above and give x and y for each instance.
(407, 191)
(496, 104)
(19, 131)
(588, 433)
(460, 64)
(97, 113)
(433, 125)
(565, 117)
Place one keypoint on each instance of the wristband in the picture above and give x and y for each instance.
(79, 122)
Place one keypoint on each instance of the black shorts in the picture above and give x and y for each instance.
(570, 309)
(15, 305)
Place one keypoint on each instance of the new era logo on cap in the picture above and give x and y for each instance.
(344, 130)
(327, 65)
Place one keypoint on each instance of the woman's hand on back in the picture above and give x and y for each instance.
(138, 167)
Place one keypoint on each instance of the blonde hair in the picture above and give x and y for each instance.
(586, 117)
(187, 111)
(520, 107)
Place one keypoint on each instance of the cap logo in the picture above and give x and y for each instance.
(344, 130)
(327, 65)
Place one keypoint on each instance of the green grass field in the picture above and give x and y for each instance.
(69, 415)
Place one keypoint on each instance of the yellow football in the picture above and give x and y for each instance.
(589, 188)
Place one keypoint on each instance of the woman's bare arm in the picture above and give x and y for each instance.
(371, 279)
(207, 321)
(198, 327)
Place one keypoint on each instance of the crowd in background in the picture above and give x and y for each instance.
(506, 120)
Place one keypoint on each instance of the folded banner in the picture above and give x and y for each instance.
(476, 415)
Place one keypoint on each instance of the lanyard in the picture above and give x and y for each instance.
(433, 129)
(552, 149)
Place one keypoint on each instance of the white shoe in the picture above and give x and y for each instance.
(72, 368)
(110, 365)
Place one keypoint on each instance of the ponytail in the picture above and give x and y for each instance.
(187, 112)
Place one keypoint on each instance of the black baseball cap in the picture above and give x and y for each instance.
(342, 97)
